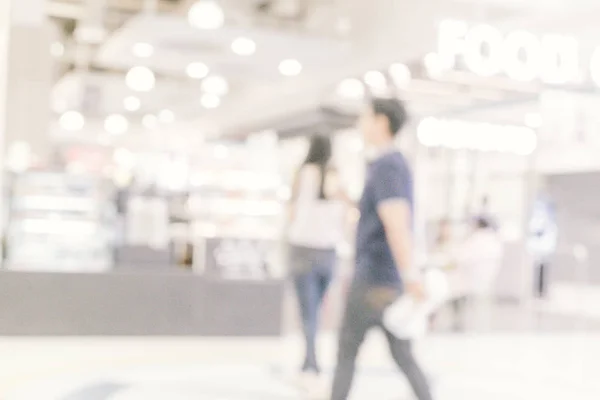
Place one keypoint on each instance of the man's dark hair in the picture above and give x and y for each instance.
(393, 110)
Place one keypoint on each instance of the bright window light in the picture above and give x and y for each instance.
(150, 121)
(351, 88)
(143, 50)
(216, 85)
(206, 14)
(72, 121)
(166, 116)
(210, 101)
(400, 74)
(197, 70)
(140, 79)
(132, 103)
(290, 67)
(116, 124)
(243, 46)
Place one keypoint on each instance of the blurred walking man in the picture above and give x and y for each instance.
(384, 266)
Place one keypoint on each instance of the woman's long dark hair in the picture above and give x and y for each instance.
(319, 154)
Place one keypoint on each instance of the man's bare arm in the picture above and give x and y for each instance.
(396, 217)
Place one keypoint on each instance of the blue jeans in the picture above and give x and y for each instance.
(312, 270)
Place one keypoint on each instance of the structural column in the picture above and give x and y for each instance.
(26, 77)
(25, 86)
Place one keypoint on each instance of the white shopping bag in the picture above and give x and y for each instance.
(407, 317)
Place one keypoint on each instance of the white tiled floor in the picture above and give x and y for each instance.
(502, 367)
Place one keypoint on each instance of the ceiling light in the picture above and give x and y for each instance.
(197, 70)
(400, 74)
(215, 85)
(533, 120)
(150, 121)
(143, 50)
(72, 121)
(140, 79)
(116, 124)
(290, 67)
(166, 116)
(243, 46)
(351, 89)
(376, 80)
(57, 49)
(132, 103)
(206, 14)
(210, 101)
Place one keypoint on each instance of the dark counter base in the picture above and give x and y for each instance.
(136, 304)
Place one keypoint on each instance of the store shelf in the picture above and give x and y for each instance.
(56, 224)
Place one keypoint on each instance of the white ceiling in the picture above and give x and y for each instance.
(176, 44)
(384, 32)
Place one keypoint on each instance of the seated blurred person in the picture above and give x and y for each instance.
(442, 256)
(442, 253)
(478, 261)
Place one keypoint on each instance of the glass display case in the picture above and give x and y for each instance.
(58, 222)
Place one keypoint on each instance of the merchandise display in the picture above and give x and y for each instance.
(236, 212)
(59, 222)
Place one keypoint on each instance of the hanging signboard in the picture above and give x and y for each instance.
(458, 134)
(520, 55)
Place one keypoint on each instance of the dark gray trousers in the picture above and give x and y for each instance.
(364, 311)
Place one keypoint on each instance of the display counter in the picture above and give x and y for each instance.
(137, 304)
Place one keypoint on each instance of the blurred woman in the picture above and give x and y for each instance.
(316, 228)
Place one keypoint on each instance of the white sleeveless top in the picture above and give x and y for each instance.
(317, 223)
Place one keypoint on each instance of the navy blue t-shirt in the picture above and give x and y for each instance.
(388, 178)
